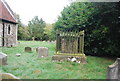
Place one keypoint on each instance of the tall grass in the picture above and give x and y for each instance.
(29, 66)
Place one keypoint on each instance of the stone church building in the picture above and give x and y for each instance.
(8, 26)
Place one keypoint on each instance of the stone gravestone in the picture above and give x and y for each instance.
(42, 52)
(11, 77)
(28, 49)
(3, 59)
(114, 71)
(18, 55)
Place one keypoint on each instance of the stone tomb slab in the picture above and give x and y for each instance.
(3, 59)
(28, 49)
(42, 52)
(8, 77)
(62, 58)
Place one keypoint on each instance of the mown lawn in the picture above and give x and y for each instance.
(28, 66)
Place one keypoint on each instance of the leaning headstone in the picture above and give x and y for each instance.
(114, 71)
(3, 59)
(42, 52)
(5, 76)
(28, 49)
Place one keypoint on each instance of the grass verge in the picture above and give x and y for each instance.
(28, 66)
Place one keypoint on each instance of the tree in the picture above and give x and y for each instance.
(103, 34)
(36, 28)
(75, 16)
(100, 22)
(19, 25)
(24, 33)
(48, 32)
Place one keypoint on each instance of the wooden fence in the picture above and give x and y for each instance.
(70, 43)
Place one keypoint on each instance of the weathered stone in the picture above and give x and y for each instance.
(42, 52)
(28, 49)
(8, 76)
(118, 68)
(114, 70)
(70, 47)
(63, 45)
(78, 59)
(18, 55)
(3, 59)
(59, 58)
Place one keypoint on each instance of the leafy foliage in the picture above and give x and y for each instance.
(75, 16)
(19, 25)
(36, 27)
(24, 33)
(100, 22)
(48, 32)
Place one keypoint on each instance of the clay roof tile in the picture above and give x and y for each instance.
(5, 12)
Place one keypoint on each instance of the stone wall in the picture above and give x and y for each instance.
(8, 77)
(0, 33)
(114, 70)
(9, 39)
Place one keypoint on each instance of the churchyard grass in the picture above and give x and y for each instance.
(29, 66)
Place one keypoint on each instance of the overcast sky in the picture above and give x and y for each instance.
(46, 9)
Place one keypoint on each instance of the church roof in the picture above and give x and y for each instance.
(6, 13)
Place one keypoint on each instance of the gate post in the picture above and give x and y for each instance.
(57, 41)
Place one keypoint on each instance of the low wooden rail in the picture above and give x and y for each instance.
(70, 43)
